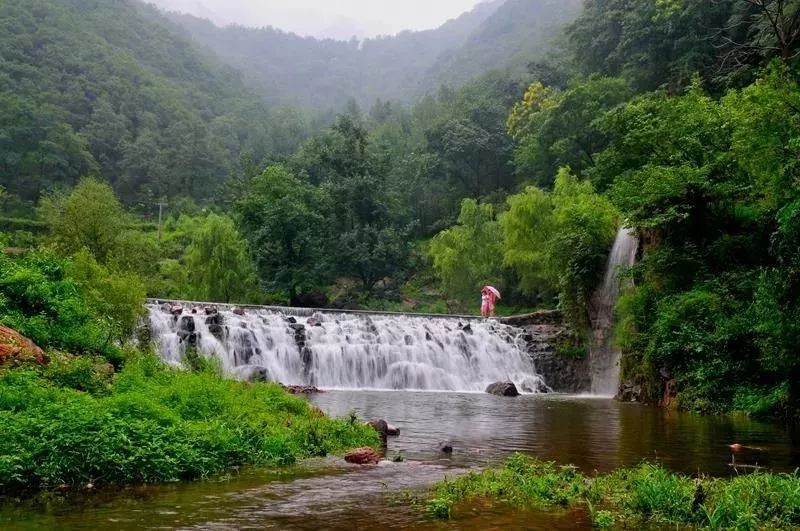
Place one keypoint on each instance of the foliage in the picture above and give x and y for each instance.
(113, 88)
(154, 425)
(636, 497)
(284, 221)
(560, 241)
(218, 262)
(40, 299)
(559, 128)
(469, 255)
(89, 217)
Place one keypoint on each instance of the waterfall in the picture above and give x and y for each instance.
(604, 358)
(347, 350)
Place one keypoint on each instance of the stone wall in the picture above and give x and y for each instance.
(542, 333)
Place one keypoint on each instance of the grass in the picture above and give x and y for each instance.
(152, 424)
(631, 498)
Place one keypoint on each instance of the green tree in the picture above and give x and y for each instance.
(469, 255)
(284, 220)
(219, 265)
(89, 217)
(560, 128)
(560, 241)
(113, 297)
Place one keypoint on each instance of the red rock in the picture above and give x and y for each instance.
(363, 456)
(16, 349)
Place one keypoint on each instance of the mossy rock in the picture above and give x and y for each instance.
(17, 350)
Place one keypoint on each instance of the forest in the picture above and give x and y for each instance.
(518, 182)
(143, 156)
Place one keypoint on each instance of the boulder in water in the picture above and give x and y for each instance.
(446, 447)
(187, 323)
(503, 389)
(363, 456)
(176, 310)
(392, 430)
(467, 329)
(16, 349)
(290, 320)
(238, 311)
(381, 426)
(214, 319)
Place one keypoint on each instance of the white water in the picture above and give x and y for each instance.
(604, 357)
(354, 351)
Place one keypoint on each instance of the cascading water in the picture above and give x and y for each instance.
(348, 351)
(604, 358)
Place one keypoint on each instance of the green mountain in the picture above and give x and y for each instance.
(97, 86)
(326, 74)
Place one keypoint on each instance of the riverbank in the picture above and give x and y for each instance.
(152, 424)
(632, 497)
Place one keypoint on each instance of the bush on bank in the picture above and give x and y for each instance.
(632, 497)
(152, 424)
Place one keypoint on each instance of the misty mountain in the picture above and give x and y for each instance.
(92, 86)
(326, 74)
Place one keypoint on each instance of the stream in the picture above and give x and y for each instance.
(592, 433)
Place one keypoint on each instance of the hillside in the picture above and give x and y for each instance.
(105, 87)
(326, 74)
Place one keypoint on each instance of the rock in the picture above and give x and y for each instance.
(446, 447)
(503, 389)
(214, 319)
(300, 389)
(314, 321)
(363, 456)
(211, 310)
(290, 320)
(467, 329)
(16, 349)
(381, 426)
(669, 394)
(187, 323)
(392, 430)
(176, 310)
(631, 392)
(238, 311)
(297, 327)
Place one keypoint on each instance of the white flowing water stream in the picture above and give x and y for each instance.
(349, 351)
(604, 356)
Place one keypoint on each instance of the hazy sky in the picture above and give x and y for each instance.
(327, 18)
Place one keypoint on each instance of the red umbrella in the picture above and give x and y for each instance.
(494, 290)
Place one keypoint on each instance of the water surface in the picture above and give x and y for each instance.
(594, 434)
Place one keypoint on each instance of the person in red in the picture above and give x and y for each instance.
(489, 296)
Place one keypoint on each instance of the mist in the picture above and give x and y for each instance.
(338, 19)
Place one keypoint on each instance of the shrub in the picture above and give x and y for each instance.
(155, 424)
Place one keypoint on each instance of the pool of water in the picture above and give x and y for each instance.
(594, 434)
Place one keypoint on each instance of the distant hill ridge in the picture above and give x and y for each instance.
(325, 74)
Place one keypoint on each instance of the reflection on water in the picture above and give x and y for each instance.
(329, 494)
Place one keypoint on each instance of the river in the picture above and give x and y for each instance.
(594, 434)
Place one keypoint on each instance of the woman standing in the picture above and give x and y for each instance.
(489, 296)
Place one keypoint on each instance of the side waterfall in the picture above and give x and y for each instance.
(347, 351)
(604, 358)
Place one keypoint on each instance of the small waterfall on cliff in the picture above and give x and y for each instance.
(604, 358)
(347, 351)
